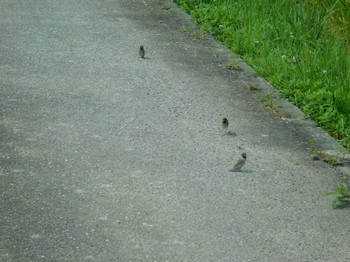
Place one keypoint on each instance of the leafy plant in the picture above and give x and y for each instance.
(342, 194)
(269, 102)
(233, 66)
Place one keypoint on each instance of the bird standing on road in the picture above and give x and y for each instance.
(225, 123)
(142, 52)
(240, 163)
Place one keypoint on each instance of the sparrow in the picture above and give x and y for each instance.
(224, 123)
(240, 163)
(142, 52)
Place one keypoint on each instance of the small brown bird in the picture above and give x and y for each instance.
(225, 123)
(240, 163)
(142, 52)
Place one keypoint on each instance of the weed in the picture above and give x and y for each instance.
(186, 28)
(269, 102)
(311, 141)
(233, 66)
(251, 87)
(342, 194)
(216, 52)
(284, 114)
(319, 155)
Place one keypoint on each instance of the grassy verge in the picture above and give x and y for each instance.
(301, 47)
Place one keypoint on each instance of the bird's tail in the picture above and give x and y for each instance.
(232, 169)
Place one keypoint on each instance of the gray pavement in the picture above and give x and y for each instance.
(108, 157)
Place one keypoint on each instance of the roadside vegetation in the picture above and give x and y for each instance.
(301, 47)
(342, 195)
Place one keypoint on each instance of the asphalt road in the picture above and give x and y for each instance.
(108, 157)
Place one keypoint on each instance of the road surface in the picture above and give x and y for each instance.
(105, 156)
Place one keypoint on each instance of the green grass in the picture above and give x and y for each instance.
(301, 47)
